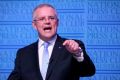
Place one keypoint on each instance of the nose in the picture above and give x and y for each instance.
(47, 21)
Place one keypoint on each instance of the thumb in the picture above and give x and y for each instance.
(65, 43)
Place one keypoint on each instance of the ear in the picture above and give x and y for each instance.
(34, 25)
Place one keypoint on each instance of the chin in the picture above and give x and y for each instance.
(49, 36)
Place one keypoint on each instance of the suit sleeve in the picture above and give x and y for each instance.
(86, 67)
(15, 74)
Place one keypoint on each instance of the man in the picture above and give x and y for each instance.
(67, 59)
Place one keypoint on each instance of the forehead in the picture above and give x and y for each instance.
(44, 11)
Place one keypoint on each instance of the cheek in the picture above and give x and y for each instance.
(55, 25)
(40, 30)
(38, 26)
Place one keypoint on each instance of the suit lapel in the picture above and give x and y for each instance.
(55, 56)
(36, 61)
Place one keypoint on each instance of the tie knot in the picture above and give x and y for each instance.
(46, 44)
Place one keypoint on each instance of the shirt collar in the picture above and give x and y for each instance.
(52, 41)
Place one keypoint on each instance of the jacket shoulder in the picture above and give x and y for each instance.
(30, 46)
(28, 49)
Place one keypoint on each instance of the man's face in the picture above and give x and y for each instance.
(45, 22)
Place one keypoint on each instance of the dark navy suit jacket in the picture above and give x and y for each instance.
(62, 64)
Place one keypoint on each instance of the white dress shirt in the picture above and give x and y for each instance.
(79, 56)
(41, 48)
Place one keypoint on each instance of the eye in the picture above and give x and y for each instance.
(41, 19)
(52, 18)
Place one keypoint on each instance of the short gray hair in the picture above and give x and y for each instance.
(40, 6)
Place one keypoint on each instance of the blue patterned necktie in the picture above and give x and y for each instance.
(45, 60)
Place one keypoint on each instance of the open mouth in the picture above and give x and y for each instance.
(47, 28)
